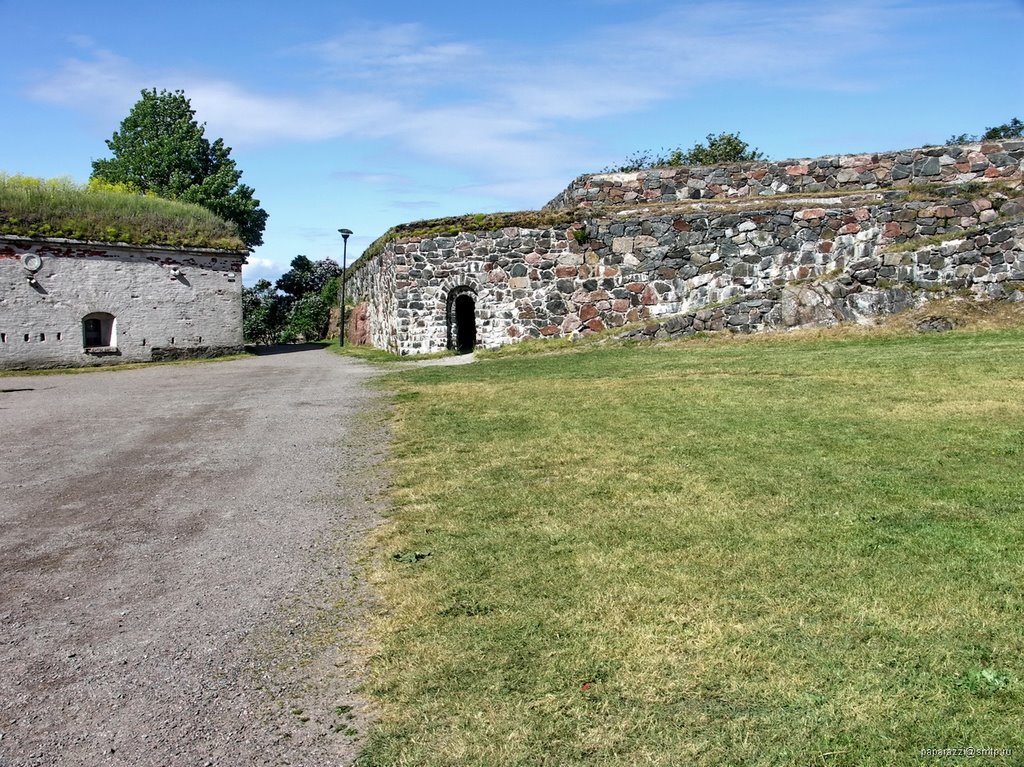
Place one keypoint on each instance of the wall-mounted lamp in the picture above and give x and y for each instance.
(32, 262)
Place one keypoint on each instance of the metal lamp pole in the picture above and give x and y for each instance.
(345, 234)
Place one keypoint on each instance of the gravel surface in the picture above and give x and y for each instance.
(179, 579)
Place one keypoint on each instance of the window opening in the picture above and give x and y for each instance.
(99, 331)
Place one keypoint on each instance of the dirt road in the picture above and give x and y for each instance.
(175, 545)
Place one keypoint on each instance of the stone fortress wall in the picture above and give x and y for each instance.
(987, 161)
(165, 303)
(740, 260)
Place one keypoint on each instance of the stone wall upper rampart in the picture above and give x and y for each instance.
(637, 265)
(981, 162)
(681, 250)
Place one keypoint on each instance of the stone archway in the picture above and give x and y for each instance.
(460, 319)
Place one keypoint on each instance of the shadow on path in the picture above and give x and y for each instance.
(287, 348)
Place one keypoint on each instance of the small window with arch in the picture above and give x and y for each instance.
(99, 331)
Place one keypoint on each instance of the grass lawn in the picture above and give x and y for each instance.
(379, 356)
(772, 552)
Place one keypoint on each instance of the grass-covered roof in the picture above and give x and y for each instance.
(32, 207)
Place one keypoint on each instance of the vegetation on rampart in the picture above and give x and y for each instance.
(111, 213)
(723, 148)
(474, 222)
(1010, 130)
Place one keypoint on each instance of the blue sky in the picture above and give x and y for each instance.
(365, 115)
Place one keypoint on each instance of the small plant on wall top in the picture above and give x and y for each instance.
(1012, 129)
(723, 148)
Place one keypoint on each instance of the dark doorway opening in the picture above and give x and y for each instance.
(465, 323)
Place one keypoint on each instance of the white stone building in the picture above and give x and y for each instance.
(66, 303)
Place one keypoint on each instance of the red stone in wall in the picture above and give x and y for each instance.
(358, 325)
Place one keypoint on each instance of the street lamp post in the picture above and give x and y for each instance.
(345, 234)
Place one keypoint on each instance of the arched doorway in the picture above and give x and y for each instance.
(462, 320)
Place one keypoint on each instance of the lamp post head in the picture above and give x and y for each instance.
(345, 234)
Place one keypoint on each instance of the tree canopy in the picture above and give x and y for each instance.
(263, 313)
(1012, 129)
(160, 148)
(297, 306)
(721, 148)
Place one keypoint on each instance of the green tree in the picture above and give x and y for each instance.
(723, 148)
(310, 288)
(160, 148)
(264, 314)
(308, 318)
(297, 306)
(307, 276)
(1012, 129)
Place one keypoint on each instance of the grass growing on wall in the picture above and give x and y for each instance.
(32, 207)
(790, 552)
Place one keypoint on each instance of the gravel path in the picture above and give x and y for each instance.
(178, 577)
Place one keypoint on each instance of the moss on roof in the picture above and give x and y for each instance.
(32, 207)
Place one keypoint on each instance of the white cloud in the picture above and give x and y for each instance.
(390, 180)
(502, 111)
(105, 84)
(102, 83)
(400, 54)
(256, 118)
(258, 263)
(535, 190)
(255, 269)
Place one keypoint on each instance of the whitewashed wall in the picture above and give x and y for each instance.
(161, 313)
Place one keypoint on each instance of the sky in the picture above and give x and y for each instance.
(366, 115)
